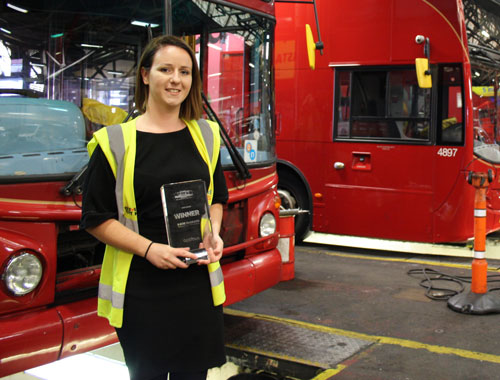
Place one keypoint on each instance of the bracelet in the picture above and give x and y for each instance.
(147, 250)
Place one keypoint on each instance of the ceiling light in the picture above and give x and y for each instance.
(144, 24)
(16, 8)
(214, 47)
(92, 46)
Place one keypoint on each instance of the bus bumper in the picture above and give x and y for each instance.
(37, 337)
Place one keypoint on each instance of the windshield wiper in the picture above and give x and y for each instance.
(239, 163)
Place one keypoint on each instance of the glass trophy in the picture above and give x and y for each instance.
(187, 216)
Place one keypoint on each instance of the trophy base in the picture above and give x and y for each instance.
(201, 254)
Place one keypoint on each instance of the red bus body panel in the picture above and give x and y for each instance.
(386, 190)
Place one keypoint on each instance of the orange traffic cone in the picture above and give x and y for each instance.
(478, 301)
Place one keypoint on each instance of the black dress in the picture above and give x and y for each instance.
(169, 323)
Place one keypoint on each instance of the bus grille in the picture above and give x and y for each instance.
(233, 230)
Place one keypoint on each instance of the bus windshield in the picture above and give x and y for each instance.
(485, 113)
(235, 58)
(77, 64)
(482, 34)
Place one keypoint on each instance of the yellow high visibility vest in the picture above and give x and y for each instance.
(118, 142)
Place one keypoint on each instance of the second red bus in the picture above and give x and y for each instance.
(366, 149)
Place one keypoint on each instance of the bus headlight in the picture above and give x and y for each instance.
(22, 274)
(267, 224)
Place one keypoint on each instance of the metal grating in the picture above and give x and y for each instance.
(296, 343)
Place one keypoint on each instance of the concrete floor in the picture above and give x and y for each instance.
(370, 296)
(365, 296)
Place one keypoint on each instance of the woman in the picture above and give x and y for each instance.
(167, 314)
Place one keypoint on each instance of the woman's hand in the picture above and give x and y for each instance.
(164, 256)
(214, 245)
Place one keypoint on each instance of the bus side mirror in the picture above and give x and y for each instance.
(423, 73)
(311, 47)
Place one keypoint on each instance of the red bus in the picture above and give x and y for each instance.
(365, 148)
(67, 68)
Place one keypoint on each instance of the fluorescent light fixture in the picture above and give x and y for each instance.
(115, 102)
(113, 72)
(5, 30)
(37, 87)
(56, 35)
(16, 8)
(92, 46)
(251, 65)
(214, 47)
(485, 33)
(11, 83)
(214, 75)
(144, 24)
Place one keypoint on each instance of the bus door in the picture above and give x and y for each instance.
(380, 174)
(453, 197)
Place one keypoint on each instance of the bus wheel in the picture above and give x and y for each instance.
(294, 195)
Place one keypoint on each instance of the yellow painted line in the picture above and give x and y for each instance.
(277, 356)
(474, 355)
(389, 259)
(327, 373)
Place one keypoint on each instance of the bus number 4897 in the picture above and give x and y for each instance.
(447, 152)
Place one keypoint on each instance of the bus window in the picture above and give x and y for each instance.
(408, 100)
(344, 109)
(382, 104)
(450, 129)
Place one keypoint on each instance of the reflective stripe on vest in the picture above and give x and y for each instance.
(208, 137)
(118, 144)
(106, 293)
(214, 269)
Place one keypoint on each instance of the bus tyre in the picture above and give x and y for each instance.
(293, 195)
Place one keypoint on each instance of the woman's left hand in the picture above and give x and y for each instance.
(214, 245)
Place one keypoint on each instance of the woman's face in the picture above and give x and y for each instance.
(169, 78)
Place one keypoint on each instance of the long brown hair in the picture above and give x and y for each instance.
(192, 106)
